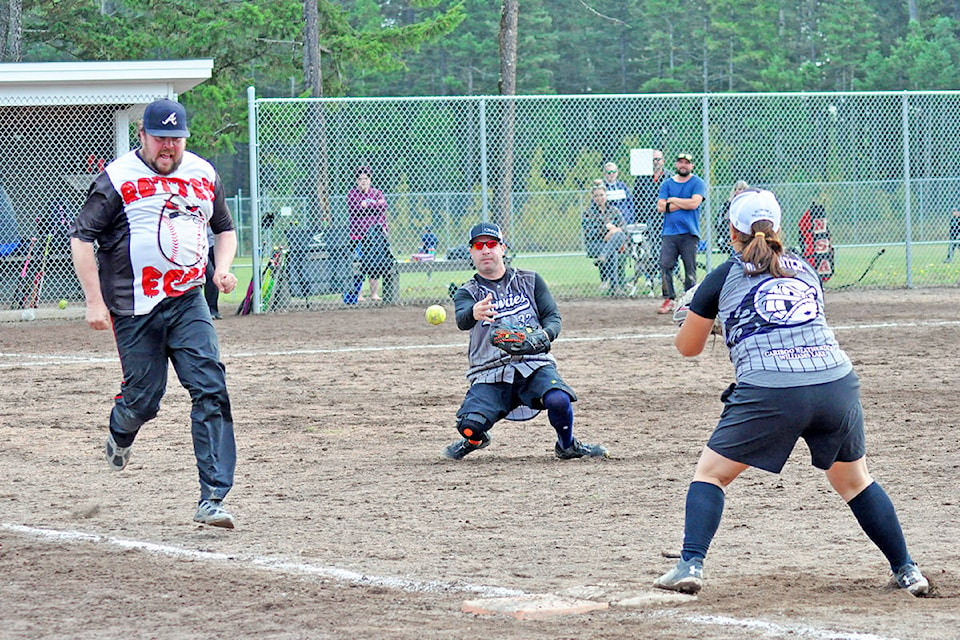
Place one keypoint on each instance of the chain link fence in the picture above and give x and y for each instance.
(879, 169)
(52, 153)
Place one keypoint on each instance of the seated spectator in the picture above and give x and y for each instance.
(617, 192)
(605, 240)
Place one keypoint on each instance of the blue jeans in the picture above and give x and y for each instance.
(179, 330)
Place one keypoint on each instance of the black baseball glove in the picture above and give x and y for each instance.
(519, 340)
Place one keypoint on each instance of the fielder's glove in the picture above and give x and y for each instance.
(683, 306)
(519, 340)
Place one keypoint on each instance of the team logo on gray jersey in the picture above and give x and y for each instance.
(786, 301)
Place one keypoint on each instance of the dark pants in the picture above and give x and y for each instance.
(612, 272)
(494, 400)
(210, 291)
(683, 246)
(178, 329)
(953, 245)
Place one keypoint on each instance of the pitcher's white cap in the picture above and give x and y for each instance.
(752, 205)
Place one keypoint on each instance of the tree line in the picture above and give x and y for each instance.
(453, 47)
(653, 46)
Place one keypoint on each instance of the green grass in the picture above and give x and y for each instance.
(573, 276)
(889, 270)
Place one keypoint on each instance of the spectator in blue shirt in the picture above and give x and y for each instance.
(428, 241)
(617, 192)
(680, 200)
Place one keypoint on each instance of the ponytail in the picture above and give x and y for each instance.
(762, 250)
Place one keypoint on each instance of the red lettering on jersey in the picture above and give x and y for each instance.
(146, 187)
(176, 277)
(203, 189)
(128, 192)
(151, 277)
(171, 280)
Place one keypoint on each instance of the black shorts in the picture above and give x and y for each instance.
(760, 426)
(494, 400)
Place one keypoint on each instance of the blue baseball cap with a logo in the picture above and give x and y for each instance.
(165, 119)
(486, 229)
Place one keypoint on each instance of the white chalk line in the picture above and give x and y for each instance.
(46, 359)
(13, 360)
(780, 630)
(766, 628)
(273, 564)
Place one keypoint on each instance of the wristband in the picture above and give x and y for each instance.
(667, 208)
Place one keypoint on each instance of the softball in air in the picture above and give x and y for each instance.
(63, 304)
(436, 314)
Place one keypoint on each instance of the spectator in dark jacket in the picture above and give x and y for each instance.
(604, 239)
(368, 230)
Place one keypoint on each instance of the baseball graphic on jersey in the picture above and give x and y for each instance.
(182, 232)
(786, 301)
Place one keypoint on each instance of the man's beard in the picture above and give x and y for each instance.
(173, 167)
(155, 167)
(683, 172)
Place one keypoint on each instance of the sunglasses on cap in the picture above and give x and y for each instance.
(685, 156)
(489, 244)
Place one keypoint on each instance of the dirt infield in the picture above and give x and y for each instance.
(350, 525)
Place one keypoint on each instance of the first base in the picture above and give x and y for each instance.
(532, 607)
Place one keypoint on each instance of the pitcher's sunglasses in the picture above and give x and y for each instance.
(489, 244)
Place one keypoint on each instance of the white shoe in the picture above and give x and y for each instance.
(210, 512)
(117, 457)
(909, 577)
(685, 577)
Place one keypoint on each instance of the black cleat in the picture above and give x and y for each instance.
(580, 450)
(458, 450)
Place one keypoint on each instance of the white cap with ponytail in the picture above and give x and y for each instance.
(753, 205)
